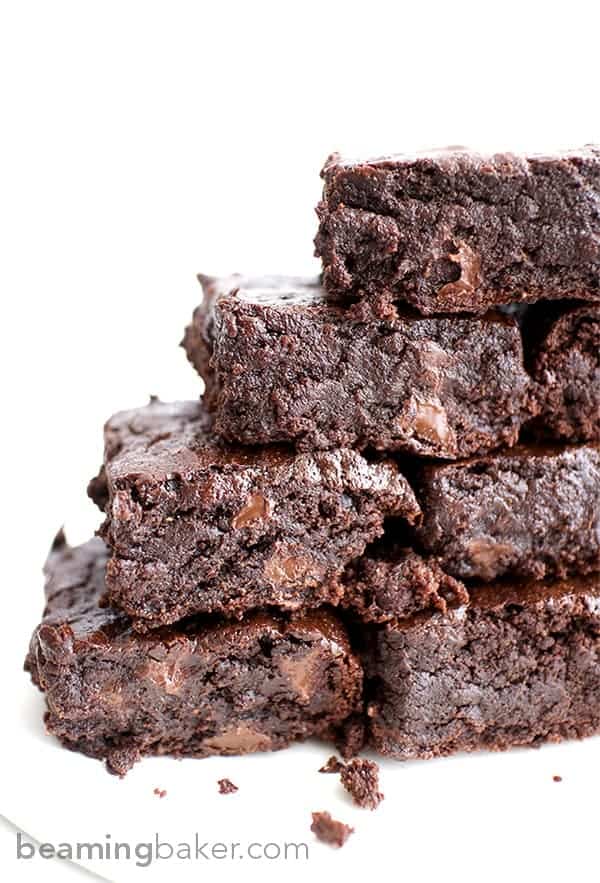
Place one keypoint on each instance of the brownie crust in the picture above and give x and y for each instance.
(531, 512)
(283, 362)
(519, 666)
(456, 231)
(193, 689)
(196, 526)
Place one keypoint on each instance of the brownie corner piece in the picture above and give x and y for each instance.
(198, 526)
(197, 688)
(518, 665)
(454, 230)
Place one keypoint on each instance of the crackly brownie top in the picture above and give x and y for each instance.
(76, 616)
(269, 290)
(167, 442)
(459, 160)
(165, 438)
(305, 295)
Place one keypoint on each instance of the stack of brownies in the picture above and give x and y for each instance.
(381, 525)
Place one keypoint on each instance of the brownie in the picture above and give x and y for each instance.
(283, 362)
(360, 778)
(329, 830)
(332, 765)
(388, 584)
(226, 786)
(197, 526)
(519, 665)
(456, 231)
(193, 689)
(532, 512)
(564, 359)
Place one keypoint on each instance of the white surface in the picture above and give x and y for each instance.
(485, 816)
(18, 871)
(142, 142)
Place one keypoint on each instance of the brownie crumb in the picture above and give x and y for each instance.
(557, 778)
(160, 792)
(328, 830)
(333, 765)
(120, 760)
(226, 786)
(360, 778)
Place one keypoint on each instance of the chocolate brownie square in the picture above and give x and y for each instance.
(197, 688)
(456, 231)
(531, 512)
(283, 362)
(519, 665)
(196, 526)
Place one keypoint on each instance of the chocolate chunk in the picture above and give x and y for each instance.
(333, 765)
(226, 786)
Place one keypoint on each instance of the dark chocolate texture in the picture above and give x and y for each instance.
(519, 666)
(194, 689)
(196, 526)
(457, 231)
(533, 511)
(282, 362)
(564, 360)
(388, 584)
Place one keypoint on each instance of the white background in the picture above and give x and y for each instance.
(142, 142)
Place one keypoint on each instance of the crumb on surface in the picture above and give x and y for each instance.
(226, 786)
(120, 760)
(329, 830)
(557, 778)
(360, 778)
(160, 792)
(333, 765)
